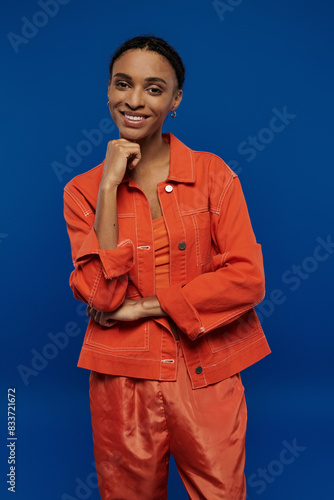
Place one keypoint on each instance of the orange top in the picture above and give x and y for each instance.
(161, 252)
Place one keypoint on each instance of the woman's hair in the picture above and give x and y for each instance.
(154, 44)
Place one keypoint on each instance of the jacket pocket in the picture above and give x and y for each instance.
(123, 336)
(241, 330)
(202, 228)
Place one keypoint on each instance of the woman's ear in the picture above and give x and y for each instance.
(177, 99)
(179, 95)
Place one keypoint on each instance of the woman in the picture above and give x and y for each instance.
(166, 260)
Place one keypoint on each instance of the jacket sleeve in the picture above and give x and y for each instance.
(236, 282)
(100, 276)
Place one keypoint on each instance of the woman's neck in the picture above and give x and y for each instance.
(155, 152)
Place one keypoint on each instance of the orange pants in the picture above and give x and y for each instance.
(138, 423)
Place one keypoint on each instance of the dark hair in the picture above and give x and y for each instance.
(155, 44)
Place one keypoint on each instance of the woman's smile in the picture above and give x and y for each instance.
(133, 119)
(142, 91)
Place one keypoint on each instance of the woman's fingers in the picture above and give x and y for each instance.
(100, 317)
(97, 316)
(94, 313)
(133, 160)
(120, 154)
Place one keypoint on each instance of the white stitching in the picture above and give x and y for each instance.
(185, 232)
(78, 202)
(194, 211)
(95, 285)
(136, 229)
(222, 196)
(233, 353)
(146, 346)
(237, 311)
(200, 262)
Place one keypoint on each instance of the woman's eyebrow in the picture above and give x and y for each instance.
(155, 79)
(150, 79)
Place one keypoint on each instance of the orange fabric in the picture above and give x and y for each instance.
(137, 424)
(161, 252)
(216, 272)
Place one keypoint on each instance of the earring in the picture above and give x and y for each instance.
(173, 113)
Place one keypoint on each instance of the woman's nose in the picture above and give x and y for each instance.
(135, 98)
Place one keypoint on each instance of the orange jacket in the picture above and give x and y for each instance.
(216, 273)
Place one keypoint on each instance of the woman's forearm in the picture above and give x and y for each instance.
(130, 310)
(120, 154)
(150, 306)
(106, 220)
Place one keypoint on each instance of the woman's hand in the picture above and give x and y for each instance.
(130, 310)
(120, 154)
(102, 318)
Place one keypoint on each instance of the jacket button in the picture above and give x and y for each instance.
(168, 188)
(198, 369)
(182, 245)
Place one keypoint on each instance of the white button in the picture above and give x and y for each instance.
(169, 188)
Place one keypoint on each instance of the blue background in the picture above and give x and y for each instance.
(243, 62)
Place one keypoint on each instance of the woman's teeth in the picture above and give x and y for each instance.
(134, 118)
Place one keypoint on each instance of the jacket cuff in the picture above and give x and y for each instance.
(184, 315)
(114, 262)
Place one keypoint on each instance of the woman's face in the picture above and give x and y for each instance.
(142, 91)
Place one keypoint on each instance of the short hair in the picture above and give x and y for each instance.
(154, 44)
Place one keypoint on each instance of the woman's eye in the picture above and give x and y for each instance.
(121, 84)
(155, 90)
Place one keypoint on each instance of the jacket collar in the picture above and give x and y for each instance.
(181, 168)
